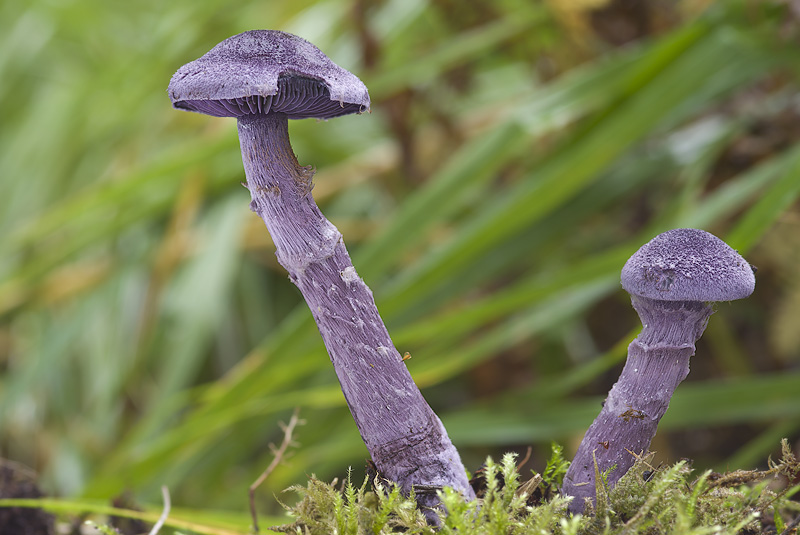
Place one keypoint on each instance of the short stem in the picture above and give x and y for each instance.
(403, 435)
(658, 360)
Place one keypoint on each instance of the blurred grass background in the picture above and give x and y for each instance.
(517, 153)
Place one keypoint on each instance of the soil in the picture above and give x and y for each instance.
(18, 481)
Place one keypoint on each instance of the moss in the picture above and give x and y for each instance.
(647, 500)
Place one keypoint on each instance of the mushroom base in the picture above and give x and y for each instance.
(658, 360)
(404, 437)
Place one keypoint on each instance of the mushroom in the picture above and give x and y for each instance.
(263, 78)
(672, 280)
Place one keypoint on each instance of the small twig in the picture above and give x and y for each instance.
(526, 459)
(288, 429)
(164, 513)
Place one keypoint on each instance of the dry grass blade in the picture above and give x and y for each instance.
(164, 513)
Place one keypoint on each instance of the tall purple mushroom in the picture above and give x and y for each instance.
(673, 279)
(263, 78)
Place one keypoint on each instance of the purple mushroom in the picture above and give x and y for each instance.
(672, 280)
(264, 78)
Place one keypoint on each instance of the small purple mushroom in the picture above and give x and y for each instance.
(263, 78)
(672, 280)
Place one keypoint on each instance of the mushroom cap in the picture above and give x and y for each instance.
(688, 265)
(263, 71)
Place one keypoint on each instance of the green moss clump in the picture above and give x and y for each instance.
(347, 510)
(646, 501)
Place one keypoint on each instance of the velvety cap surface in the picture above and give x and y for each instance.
(264, 71)
(688, 265)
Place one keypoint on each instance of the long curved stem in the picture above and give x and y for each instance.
(658, 360)
(404, 437)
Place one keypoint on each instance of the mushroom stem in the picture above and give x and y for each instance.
(658, 360)
(404, 437)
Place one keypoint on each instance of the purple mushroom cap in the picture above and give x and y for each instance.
(688, 265)
(263, 71)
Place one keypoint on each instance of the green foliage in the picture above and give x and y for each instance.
(515, 156)
(646, 501)
(324, 508)
(381, 510)
(556, 467)
(203, 522)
